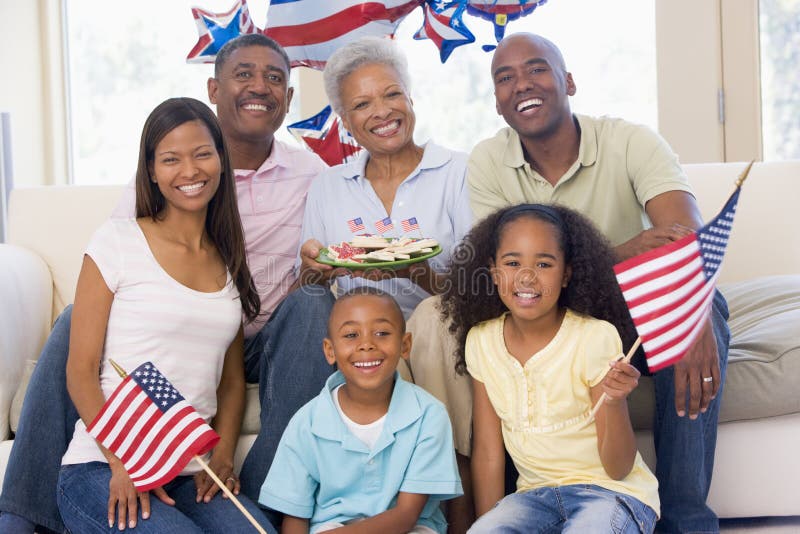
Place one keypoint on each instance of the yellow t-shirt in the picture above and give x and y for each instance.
(543, 405)
(620, 167)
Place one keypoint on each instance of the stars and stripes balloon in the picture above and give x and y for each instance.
(216, 29)
(500, 12)
(324, 134)
(310, 30)
(444, 25)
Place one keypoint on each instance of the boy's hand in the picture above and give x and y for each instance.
(620, 381)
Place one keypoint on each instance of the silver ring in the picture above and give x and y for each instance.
(231, 479)
(708, 379)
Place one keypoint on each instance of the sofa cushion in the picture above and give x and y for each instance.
(764, 355)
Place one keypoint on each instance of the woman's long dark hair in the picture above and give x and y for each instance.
(223, 224)
(471, 296)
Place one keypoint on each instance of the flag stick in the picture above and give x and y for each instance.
(207, 469)
(742, 177)
(603, 397)
(230, 494)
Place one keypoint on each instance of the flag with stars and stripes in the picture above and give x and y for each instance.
(669, 290)
(384, 225)
(151, 428)
(356, 225)
(409, 224)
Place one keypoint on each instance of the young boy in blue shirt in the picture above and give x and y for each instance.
(371, 453)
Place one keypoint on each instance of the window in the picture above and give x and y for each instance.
(120, 66)
(780, 85)
(610, 49)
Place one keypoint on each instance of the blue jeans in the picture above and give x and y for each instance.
(287, 361)
(83, 501)
(578, 508)
(685, 448)
(285, 358)
(46, 424)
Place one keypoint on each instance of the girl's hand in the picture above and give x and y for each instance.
(223, 468)
(620, 381)
(123, 499)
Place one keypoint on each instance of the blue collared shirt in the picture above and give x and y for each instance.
(323, 472)
(435, 193)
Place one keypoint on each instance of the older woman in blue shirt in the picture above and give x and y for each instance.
(393, 180)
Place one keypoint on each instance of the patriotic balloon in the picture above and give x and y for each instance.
(501, 12)
(216, 29)
(310, 30)
(443, 24)
(324, 135)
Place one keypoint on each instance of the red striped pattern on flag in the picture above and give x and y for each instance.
(384, 225)
(669, 298)
(310, 30)
(153, 438)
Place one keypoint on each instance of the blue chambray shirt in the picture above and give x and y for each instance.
(323, 472)
(436, 193)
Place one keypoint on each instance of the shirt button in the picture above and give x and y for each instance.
(371, 462)
(259, 198)
(400, 204)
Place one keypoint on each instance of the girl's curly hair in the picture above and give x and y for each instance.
(471, 296)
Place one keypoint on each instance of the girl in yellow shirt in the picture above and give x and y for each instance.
(533, 304)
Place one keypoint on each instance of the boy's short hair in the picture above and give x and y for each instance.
(370, 291)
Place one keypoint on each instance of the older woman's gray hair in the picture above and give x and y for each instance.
(364, 51)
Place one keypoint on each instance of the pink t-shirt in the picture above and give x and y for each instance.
(271, 203)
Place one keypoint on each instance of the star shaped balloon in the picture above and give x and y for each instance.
(325, 136)
(501, 12)
(443, 24)
(216, 29)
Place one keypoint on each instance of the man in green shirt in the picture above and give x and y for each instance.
(628, 181)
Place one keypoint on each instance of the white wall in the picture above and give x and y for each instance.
(32, 89)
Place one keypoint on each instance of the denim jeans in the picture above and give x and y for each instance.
(287, 361)
(46, 424)
(685, 448)
(579, 508)
(83, 501)
(285, 358)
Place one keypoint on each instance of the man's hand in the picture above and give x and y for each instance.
(650, 239)
(692, 373)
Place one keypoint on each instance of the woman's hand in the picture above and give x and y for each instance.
(313, 272)
(223, 468)
(123, 499)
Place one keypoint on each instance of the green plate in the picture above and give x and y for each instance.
(399, 264)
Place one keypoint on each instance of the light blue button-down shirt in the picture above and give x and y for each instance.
(323, 472)
(435, 193)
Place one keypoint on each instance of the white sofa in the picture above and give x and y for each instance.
(759, 435)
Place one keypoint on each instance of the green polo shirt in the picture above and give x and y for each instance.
(620, 167)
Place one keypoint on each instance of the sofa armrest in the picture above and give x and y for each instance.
(26, 302)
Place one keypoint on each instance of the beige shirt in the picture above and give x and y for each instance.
(544, 405)
(620, 167)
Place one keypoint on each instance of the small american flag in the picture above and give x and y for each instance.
(669, 289)
(384, 225)
(151, 428)
(409, 224)
(356, 225)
